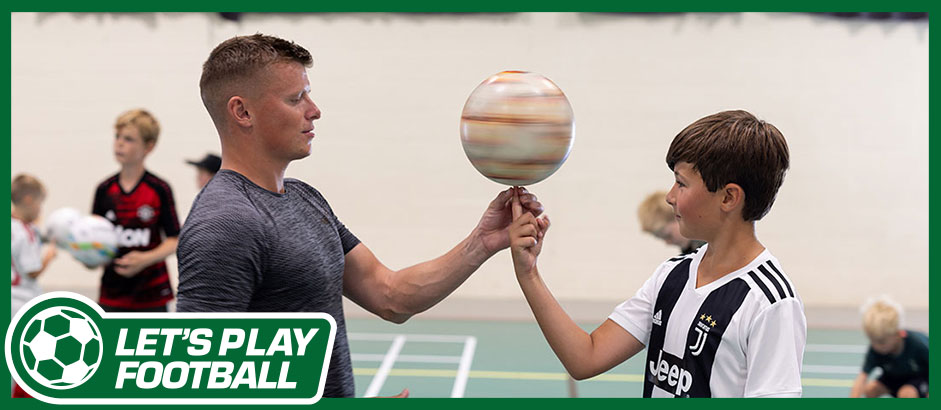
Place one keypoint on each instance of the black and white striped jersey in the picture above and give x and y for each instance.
(740, 336)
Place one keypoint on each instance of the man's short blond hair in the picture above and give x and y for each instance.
(146, 124)
(24, 185)
(654, 212)
(236, 62)
(882, 317)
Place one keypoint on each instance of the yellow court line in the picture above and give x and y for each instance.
(631, 378)
(491, 374)
(827, 382)
(478, 374)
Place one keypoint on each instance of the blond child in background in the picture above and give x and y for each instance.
(902, 355)
(27, 259)
(656, 218)
(142, 209)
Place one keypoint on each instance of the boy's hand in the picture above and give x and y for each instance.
(50, 254)
(526, 235)
(47, 257)
(131, 264)
(493, 225)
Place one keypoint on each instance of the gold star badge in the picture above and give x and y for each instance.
(709, 318)
(702, 317)
(713, 324)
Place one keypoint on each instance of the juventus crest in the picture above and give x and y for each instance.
(702, 327)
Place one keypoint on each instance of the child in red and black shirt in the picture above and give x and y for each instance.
(141, 207)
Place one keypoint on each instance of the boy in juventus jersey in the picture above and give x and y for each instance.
(725, 321)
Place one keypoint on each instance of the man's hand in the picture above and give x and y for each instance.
(526, 234)
(492, 228)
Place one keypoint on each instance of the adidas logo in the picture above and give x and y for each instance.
(656, 318)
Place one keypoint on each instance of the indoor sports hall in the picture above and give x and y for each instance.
(849, 92)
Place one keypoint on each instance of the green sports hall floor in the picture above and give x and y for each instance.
(462, 358)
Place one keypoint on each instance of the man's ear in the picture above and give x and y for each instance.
(733, 196)
(237, 110)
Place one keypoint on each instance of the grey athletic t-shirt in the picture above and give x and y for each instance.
(246, 249)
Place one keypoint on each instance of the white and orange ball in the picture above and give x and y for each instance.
(59, 226)
(517, 128)
(94, 241)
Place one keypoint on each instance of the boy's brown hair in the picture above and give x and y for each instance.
(735, 147)
(237, 60)
(146, 124)
(25, 185)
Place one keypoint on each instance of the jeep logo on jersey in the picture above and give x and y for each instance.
(145, 213)
(132, 238)
(703, 326)
(668, 374)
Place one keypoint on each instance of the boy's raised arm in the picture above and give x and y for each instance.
(584, 355)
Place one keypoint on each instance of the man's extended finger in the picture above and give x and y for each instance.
(502, 197)
(517, 208)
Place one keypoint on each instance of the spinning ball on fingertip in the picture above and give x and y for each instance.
(517, 128)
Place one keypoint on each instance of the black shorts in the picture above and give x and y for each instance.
(896, 383)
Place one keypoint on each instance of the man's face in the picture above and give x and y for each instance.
(283, 112)
(129, 146)
(696, 209)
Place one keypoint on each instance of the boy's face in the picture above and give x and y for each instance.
(129, 146)
(284, 111)
(670, 233)
(891, 344)
(30, 207)
(696, 209)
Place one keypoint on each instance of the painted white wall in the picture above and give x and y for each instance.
(850, 96)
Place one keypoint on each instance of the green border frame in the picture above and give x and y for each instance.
(430, 6)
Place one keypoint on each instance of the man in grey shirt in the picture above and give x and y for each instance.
(257, 242)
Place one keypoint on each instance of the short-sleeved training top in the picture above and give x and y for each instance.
(246, 249)
(25, 258)
(911, 363)
(142, 218)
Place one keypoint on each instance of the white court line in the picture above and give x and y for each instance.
(406, 358)
(463, 369)
(380, 378)
(809, 368)
(412, 338)
(836, 348)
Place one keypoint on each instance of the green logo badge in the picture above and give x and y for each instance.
(62, 348)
